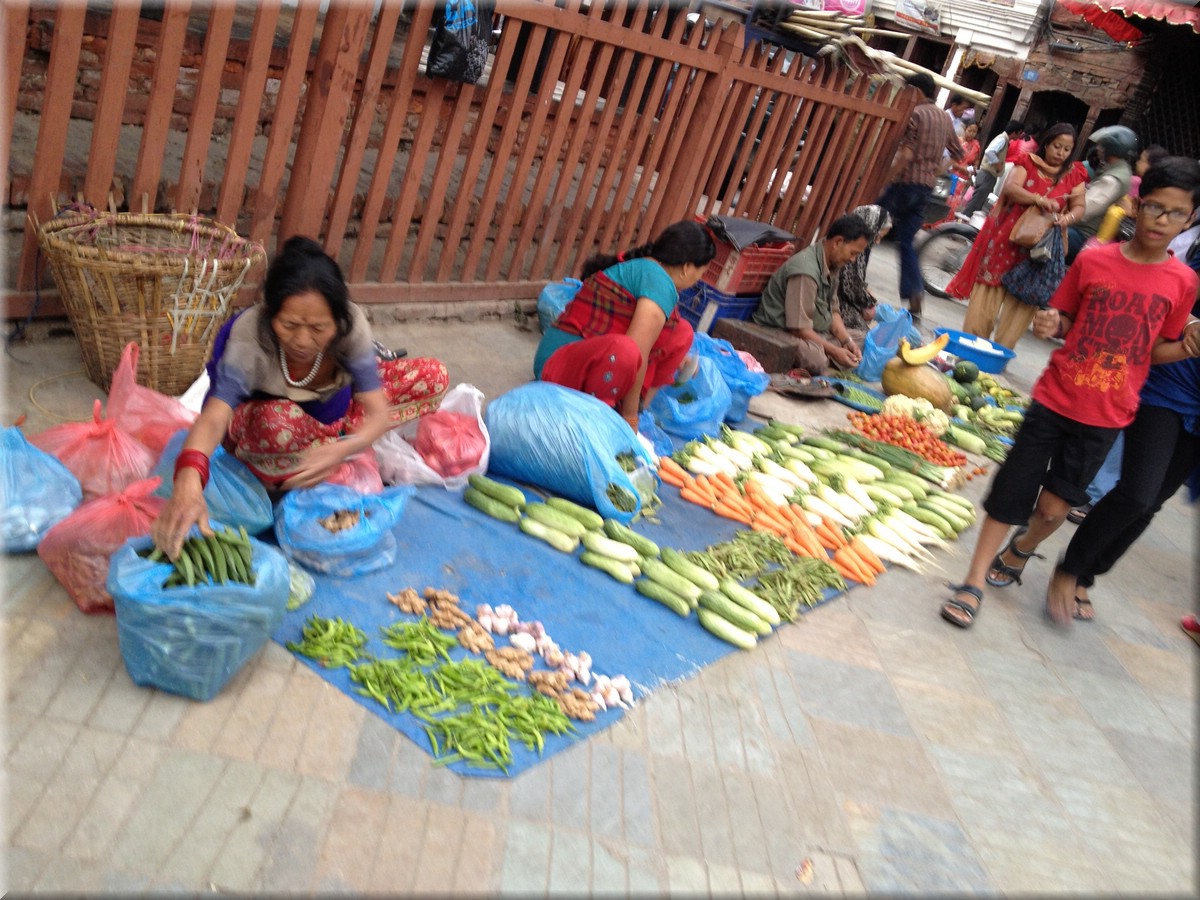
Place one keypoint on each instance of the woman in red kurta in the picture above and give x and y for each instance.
(1044, 179)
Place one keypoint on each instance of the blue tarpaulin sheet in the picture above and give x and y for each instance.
(444, 543)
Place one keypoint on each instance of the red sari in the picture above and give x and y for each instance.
(993, 254)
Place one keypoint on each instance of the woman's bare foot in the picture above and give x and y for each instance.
(1060, 597)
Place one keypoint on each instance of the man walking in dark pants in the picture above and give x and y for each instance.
(919, 160)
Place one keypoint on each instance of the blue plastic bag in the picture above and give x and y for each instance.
(554, 299)
(192, 640)
(234, 496)
(363, 548)
(568, 442)
(698, 406)
(743, 384)
(892, 326)
(659, 439)
(38, 492)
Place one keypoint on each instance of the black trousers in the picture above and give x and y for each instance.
(1159, 455)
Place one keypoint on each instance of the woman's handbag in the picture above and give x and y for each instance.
(1034, 282)
(1030, 228)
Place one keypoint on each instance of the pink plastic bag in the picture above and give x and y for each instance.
(399, 461)
(77, 549)
(361, 472)
(104, 457)
(449, 442)
(143, 412)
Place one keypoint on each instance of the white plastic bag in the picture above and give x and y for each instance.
(399, 461)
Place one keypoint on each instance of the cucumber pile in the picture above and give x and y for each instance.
(731, 612)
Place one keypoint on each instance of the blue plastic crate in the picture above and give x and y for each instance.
(694, 300)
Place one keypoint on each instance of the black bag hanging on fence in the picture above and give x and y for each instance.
(1034, 282)
(461, 42)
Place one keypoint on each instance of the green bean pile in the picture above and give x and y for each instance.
(331, 642)
(471, 711)
(747, 554)
(423, 641)
(859, 397)
(400, 686)
(801, 580)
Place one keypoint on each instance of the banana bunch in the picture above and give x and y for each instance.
(222, 558)
(919, 356)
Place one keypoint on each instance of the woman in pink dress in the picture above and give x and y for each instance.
(1045, 179)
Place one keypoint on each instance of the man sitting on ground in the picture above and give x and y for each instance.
(801, 299)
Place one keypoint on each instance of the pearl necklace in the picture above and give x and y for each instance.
(307, 379)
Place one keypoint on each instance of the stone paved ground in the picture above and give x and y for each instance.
(895, 753)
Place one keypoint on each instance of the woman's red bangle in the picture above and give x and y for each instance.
(193, 459)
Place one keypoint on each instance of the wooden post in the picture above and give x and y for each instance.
(327, 105)
(13, 25)
(110, 104)
(51, 148)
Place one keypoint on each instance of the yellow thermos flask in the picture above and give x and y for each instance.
(1112, 221)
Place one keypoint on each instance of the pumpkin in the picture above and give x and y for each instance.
(917, 381)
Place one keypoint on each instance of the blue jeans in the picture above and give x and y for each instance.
(906, 202)
(1110, 472)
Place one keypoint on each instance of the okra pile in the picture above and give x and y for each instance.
(224, 557)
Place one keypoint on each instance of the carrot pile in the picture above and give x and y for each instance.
(750, 506)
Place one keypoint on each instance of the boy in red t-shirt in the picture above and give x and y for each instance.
(1113, 309)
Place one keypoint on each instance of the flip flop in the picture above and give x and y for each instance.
(1080, 603)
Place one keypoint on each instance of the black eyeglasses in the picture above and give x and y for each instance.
(1174, 216)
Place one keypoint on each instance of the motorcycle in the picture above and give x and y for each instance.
(948, 240)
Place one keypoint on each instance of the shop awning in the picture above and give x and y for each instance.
(1159, 10)
(1111, 23)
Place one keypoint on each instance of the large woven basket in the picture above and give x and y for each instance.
(164, 281)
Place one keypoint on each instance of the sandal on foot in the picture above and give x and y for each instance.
(966, 609)
(1081, 604)
(1010, 574)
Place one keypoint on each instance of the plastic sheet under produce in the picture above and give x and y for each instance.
(569, 443)
(37, 491)
(192, 640)
(308, 529)
(446, 544)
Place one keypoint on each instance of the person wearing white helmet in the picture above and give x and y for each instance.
(1118, 146)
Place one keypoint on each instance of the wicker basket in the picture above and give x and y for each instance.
(165, 281)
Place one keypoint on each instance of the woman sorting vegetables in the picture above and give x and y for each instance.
(295, 389)
(855, 299)
(1044, 179)
(620, 338)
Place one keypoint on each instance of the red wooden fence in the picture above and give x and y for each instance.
(595, 125)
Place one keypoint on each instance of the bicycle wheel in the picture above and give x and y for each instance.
(942, 255)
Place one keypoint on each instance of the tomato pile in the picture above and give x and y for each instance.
(902, 431)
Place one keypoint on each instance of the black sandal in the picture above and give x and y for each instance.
(1011, 573)
(955, 603)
